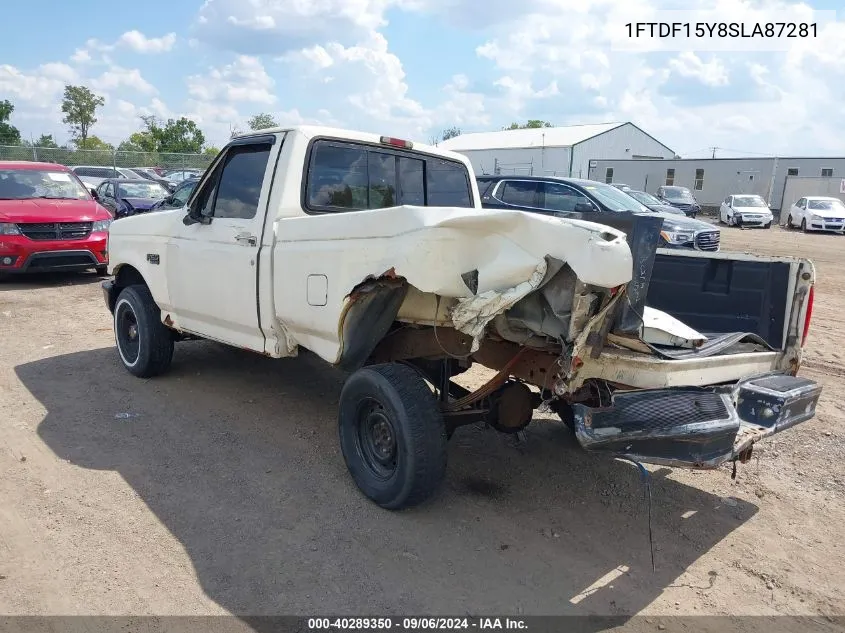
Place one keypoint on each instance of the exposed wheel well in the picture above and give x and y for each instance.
(125, 276)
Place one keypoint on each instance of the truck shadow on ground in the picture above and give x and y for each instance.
(35, 281)
(237, 455)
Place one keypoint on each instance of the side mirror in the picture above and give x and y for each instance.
(584, 207)
(195, 217)
(94, 194)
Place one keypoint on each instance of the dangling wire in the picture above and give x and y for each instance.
(646, 479)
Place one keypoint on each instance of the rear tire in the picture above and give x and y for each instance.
(392, 435)
(144, 344)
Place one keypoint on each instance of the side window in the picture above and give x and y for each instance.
(448, 184)
(240, 182)
(381, 169)
(792, 171)
(520, 192)
(559, 197)
(81, 171)
(337, 177)
(104, 173)
(108, 192)
(728, 201)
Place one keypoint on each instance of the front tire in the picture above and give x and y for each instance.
(804, 225)
(392, 435)
(144, 344)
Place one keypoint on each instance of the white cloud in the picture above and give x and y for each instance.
(244, 80)
(117, 77)
(279, 26)
(140, 43)
(712, 73)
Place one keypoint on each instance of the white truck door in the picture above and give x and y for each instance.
(213, 260)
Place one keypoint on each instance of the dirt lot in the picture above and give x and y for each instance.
(220, 488)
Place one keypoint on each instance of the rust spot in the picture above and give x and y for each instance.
(168, 321)
(390, 274)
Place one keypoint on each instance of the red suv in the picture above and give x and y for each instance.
(49, 221)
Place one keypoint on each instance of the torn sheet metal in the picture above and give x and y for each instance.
(472, 315)
(660, 328)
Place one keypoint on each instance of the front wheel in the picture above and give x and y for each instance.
(804, 225)
(144, 344)
(392, 435)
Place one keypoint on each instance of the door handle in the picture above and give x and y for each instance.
(246, 238)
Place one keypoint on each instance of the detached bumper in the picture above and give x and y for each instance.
(696, 427)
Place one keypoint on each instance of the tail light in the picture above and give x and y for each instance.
(397, 142)
(808, 316)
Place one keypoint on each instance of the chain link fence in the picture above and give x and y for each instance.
(105, 158)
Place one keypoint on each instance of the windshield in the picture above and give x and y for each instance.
(22, 184)
(749, 201)
(614, 199)
(830, 205)
(643, 197)
(148, 190)
(677, 193)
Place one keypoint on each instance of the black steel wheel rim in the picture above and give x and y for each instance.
(127, 333)
(375, 439)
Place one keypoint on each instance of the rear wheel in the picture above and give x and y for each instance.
(144, 344)
(789, 224)
(392, 435)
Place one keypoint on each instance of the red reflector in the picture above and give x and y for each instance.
(808, 316)
(396, 142)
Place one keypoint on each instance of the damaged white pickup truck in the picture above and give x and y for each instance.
(376, 255)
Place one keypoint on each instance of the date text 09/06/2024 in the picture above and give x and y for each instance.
(415, 624)
(722, 29)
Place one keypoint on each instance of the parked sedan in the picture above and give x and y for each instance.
(652, 203)
(679, 197)
(128, 197)
(93, 175)
(745, 210)
(817, 213)
(573, 196)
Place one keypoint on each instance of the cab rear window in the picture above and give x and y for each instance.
(346, 176)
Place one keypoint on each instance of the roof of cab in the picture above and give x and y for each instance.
(313, 131)
(28, 164)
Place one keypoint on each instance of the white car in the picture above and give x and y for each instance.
(745, 210)
(93, 175)
(817, 213)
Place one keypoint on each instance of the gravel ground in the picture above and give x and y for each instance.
(220, 488)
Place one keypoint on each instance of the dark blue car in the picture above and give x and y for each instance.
(125, 197)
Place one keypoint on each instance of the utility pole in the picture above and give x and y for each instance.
(714, 151)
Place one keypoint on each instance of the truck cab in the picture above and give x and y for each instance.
(375, 254)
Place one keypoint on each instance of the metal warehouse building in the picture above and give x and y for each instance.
(781, 181)
(555, 151)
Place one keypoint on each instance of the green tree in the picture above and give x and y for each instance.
(46, 140)
(451, 132)
(211, 151)
(93, 142)
(262, 121)
(79, 106)
(531, 123)
(9, 134)
(175, 135)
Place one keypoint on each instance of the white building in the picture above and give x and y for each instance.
(555, 151)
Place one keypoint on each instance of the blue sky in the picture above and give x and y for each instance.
(415, 67)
